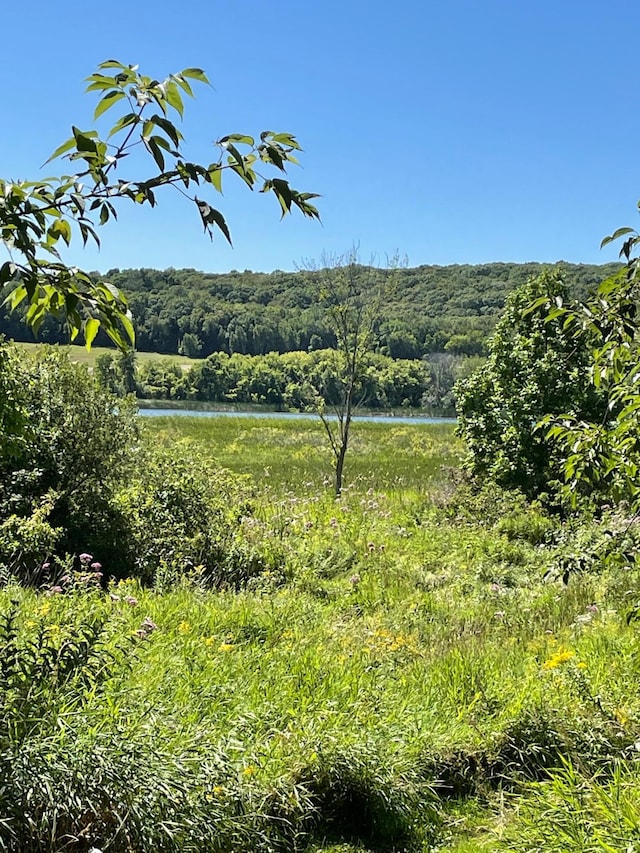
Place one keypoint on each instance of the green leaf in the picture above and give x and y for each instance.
(90, 331)
(108, 101)
(210, 217)
(615, 236)
(62, 149)
(99, 82)
(125, 121)
(173, 97)
(286, 139)
(215, 176)
(240, 138)
(283, 193)
(154, 149)
(195, 74)
(169, 128)
(183, 84)
(113, 63)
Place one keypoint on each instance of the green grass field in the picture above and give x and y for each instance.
(401, 677)
(81, 355)
(294, 455)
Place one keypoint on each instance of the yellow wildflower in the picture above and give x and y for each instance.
(561, 656)
(184, 627)
(225, 647)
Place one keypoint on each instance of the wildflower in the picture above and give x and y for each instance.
(128, 599)
(146, 628)
(354, 580)
(333, 522)
(249, 770)
(55, 590)
(46, 566)
(184, 627)
(371, 546)
(225, 647)
(85, 559)
(592, 608)
(96, 566)
(561, 656)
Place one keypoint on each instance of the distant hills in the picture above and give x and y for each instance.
(430, 309)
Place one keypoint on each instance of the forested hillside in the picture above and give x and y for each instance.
(430, 309)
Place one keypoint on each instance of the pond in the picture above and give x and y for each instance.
(199, 413)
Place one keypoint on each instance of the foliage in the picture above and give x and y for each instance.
(72, 446)
(387, 667)
(38, 217)
(602, 454)
(282, 381)
(176, 520)
(432, 310)
(80, 480)
(536, 367)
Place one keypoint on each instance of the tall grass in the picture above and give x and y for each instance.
(294, 454)
(400, 678)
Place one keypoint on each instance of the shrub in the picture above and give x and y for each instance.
(66, 443)
(536, 367)
(175, 519)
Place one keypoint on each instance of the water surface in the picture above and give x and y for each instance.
(375, 419)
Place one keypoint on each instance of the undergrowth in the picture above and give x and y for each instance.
(391, 675)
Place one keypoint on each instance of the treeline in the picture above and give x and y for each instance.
(430, 309)
(289, 381)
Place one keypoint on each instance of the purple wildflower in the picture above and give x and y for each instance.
(147, 627)
(85, 559)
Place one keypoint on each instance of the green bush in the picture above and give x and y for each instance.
(176, 519)
(78, 478)
(66, 443)
(536, 367)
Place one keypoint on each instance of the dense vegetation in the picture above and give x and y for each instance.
(291, 381)
(429, 309)
(385, 672)
(205, 646)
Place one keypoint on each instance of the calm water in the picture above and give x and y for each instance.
(377, 419)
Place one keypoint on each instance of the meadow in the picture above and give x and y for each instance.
(81, 355)
(398, 675)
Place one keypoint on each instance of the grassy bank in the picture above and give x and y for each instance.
(399, 676)
(81, 355)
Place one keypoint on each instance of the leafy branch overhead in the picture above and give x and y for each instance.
(38, 218)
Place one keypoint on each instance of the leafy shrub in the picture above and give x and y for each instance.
(66, 444)
(177, 519)
(536, 367)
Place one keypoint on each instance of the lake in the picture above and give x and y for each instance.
(197, 413)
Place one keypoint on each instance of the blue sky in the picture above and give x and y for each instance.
(465, 131)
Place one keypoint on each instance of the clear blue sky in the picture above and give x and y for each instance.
(464, 131)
